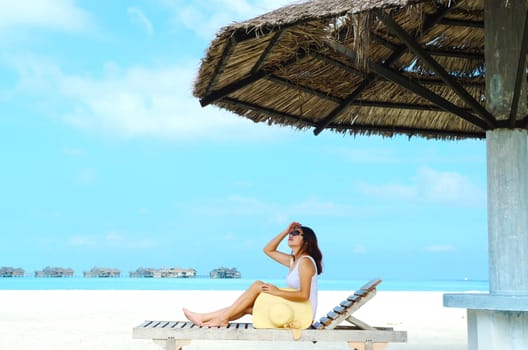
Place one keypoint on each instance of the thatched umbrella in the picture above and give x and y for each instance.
(443, 69)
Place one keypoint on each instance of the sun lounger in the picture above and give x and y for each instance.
(358, 334)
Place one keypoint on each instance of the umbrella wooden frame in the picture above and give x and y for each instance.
(232, 95)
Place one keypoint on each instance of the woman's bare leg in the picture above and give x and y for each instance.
(242, 306)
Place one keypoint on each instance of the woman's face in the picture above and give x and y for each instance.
(295, 238)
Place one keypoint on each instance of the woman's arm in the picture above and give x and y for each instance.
(306, 272)
(271, 248)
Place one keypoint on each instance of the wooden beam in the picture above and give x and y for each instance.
(432, 51)
(524, 122)
(239, 84)
(461, 23)
(436, 67)
(228, 50)
(429, 22)
(273, 42)
(268, 111)
(521, 74)
(423, 81)
(436, 82)
(412, 86)
(336, 111)
(357, 126)
(355, 102)
(429, 95)
(393, 105)
(336, 63)
(229, 89)
(456, 54)
(410, 131)
(296, 86)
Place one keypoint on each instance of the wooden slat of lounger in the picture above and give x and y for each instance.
(325, 321)
(372, 284)
(345, 303)
(317, 325)
(343, 316)
(346, 334)
(353, 298)
(353, 303)
(339, 309)
(145, 324)
(153, 324)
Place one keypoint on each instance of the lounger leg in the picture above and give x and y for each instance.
(171, 343)
(358, 346)
(368, 345)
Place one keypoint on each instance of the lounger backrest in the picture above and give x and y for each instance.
(347, 307)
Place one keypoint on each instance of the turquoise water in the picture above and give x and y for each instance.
(124, 283)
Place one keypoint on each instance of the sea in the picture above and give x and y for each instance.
(206, 283)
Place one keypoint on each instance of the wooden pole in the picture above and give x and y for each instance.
(507, 164)
(499, 320)
(507, 153)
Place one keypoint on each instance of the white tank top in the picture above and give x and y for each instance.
(293, 281)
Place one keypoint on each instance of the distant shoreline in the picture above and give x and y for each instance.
(207, 283)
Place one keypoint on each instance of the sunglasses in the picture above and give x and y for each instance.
(295, 233)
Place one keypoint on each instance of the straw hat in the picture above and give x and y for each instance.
(270, 311)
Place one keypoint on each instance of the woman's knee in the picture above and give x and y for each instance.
(257, 285)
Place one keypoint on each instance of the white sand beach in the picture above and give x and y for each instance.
(81, 319)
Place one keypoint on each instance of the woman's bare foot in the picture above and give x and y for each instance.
(194, 317)
(215, 323)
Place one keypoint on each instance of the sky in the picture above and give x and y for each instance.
(108, 160)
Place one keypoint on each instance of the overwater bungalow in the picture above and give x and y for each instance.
(224, 272)
(176, 272)
(8, 271)
(102, 272)
(54, 272)
(142, 272)
(165, 272)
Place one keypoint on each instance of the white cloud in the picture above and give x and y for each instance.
(52, 14)
(432, 186)
(237, 205)
(111, 239)
(359, 249)
(229, 236)
(86, 176)
(391, 191)
(114, 237)
(368, 155)
(137, 16)
(82, 241)
(143, 211)
(440, 248)
(72, 152)
(134, 102)
(448, 187)
(315, 206)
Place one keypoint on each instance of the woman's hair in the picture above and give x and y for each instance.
(311, 247)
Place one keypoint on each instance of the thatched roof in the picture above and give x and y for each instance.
(344, 65)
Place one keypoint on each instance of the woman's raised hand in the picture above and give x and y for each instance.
(292, 226)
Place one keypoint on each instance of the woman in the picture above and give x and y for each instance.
(304, 262)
